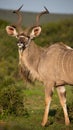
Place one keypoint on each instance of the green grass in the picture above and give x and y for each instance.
(32, 95)
(34, 104)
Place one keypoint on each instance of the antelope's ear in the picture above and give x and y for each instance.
(11, 31)
(35, 32)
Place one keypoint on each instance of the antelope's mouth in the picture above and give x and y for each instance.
(20, 45)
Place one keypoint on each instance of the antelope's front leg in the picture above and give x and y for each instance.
(48, 97)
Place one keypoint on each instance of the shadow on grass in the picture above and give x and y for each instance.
(58, 116)
(52, 112)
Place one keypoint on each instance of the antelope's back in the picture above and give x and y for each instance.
(56, 64)
(63, 63)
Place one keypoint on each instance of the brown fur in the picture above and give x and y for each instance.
(49, 63)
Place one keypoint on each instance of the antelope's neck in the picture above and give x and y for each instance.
(30, 58)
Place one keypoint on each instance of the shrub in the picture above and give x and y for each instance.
(11, 101)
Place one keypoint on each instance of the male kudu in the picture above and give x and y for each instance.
(53, 65)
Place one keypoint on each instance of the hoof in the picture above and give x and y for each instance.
(67, 122)
(42, 124)
(47, 124)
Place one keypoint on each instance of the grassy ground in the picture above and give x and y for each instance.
(34, 104)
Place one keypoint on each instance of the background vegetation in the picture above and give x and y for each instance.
(29, 17)
(22, 104)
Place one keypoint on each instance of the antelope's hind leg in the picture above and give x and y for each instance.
(62, 96)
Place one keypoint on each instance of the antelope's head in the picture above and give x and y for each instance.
(25, 36)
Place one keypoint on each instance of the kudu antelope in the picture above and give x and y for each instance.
(53, 65)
